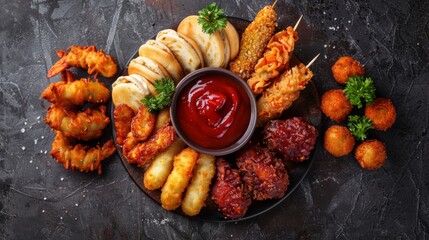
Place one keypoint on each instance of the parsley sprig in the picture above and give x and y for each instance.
(212, 18)
(358, 126)
(165, 88)
(358, 89)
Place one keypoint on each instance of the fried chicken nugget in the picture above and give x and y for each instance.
(371, 154)
(171, 192)
(335, 105)
(199, 187)
(162, 118)
(346, 67)
(338, 141)
(157, 172)
(382, 114)
(143, 123)
(123, 115)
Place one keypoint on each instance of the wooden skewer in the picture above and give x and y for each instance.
(312, 61)
(274, 4)
(297, 23)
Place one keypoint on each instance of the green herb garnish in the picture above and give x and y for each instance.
(359, 125)
(360, 88)
(212, 19)
(165, 88)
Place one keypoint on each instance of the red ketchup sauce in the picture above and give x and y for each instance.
(213, 111)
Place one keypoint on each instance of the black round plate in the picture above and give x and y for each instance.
(306, 106)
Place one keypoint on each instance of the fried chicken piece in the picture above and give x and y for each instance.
(253, 41)
(371, 154)
(338, 141)
(346, 67)
(143, 124)
(282, 93)
(87, 58)
(78, 156)
(228, 191)
(293, 138)
(382, 113)
(70, 93)
(143, 152)
(263, 173)
(86, 125)
(123, 115)
(276, 58)
(335, 105)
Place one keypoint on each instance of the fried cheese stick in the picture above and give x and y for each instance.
(199, 187)
(171, 192)
(157, 172)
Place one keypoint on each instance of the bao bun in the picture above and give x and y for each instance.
(160, 53)
(147, 68)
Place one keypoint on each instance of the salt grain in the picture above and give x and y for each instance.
(35, 141)
(23, 148)
(45, 198)
(42, 137)
(77, 204)
(62, 179)
(61, 218)
(31, 161)
(43, 211)
(25, 123)
(38, 118)
(22, 130)
(46, 151)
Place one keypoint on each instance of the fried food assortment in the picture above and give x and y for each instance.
(335, 105)
(199, 186)
(338, 141)
(382, 113)
(228, 191)
(292, 138)
(79, 156)
(86, 125)
(282, 93)
(123, 116)
(253, 42)
(346, 67)
(275, 59)
(371, 154)
(87, 58)
(183, 165)
(263, 173)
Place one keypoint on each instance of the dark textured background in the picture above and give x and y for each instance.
(39, 199)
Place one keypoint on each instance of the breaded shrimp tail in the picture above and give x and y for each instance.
(80, 157)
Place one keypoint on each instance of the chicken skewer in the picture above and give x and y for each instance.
(276, 58)
(283, 92)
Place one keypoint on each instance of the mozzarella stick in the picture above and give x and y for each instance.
(158, 171)
(183, 165)
(199, 187)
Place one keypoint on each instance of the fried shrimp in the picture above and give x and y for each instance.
(276, 58)
(78, 156)
(282, 93)
(76, 92)
(253, 42)
(86, 125)
(87, 58)
(123, 115)
(171, 192)
(143, 124)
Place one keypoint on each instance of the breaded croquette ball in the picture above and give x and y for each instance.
(346, 67)
(382, 113)
(338, 141)
(371, 154)
(335, 105)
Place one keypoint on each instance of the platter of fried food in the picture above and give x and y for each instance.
(218, 188)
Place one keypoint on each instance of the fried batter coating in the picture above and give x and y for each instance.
(87, 58)
(276, 58)
(371, 154)
(335, 105)
(263, 173)
(253, 41)
(78, 156)
(162, 118)
(183, 165)
(157, 172)
(346, 67)
(228, 192)
(123, 115)
(199, 186)
(282, 93)
(338, 141)
(86, 125)
(144, 152)
(382, 113)
(143, 123)
(70, 93)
